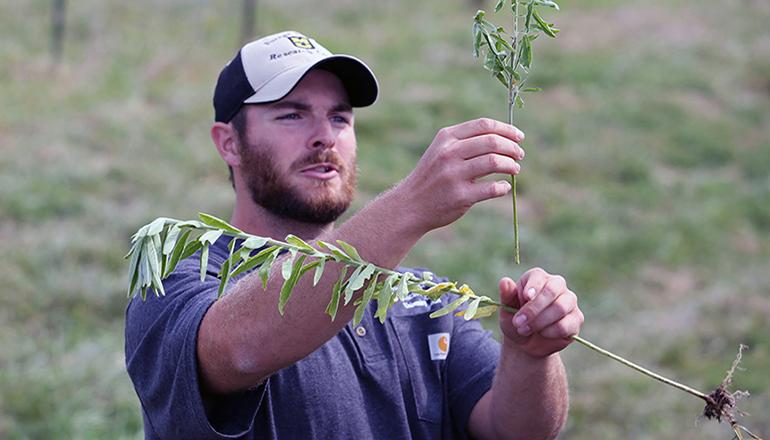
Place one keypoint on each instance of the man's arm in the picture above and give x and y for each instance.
(529, 397)
(243, 338)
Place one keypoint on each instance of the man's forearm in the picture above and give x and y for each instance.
(529, 399)
(244, 339)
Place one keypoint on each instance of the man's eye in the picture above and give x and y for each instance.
(290, 116)
(340, 119)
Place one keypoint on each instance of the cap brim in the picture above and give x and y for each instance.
(358, 79)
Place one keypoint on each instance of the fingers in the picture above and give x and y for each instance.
(485, 126)
(548, 307)
(481, 137)
(479, 148)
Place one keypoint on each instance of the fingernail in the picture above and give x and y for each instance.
(519, 320)
(529, 294)
(524, 331)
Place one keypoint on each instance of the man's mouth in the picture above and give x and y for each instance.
(321, 170)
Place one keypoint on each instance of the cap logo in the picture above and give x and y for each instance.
(301, 42)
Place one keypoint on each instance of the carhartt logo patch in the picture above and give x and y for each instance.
(301, 42)
(439, 346)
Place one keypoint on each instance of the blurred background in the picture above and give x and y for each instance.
(646, 184)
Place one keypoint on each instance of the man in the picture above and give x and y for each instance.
(234, 367)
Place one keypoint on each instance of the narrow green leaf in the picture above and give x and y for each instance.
(384, 296)
(191, 224)
(133, 277)
(209, 237)
(264, 271)
(191, 248)
(334, 304)
(503, 44)
(402, 286)
(483, 312)
(450, 307)
(296, 241)
(157, 284)
(477, 40)
(224, 275)
(502, 80)
(528, 19)
(175, 256)
(490, 61)
(319, 270)
(224, 271)
(337, 252)
(218, 223)
(347, 292)
(145, 274)
(367, 297)
(152, 255)
(526, 53)
(288, 264)
(252, 243)
(157, 244)
(500, 4)
(350, 250)
(472, 307)
(308, 267)
(289, 284)
(169, 241)
(548, 4)
(543, 25)
(204, 261)
(531, 89)
(354, 284)
(141, 233)
(254, 261)
(156, 226)
(133, 273)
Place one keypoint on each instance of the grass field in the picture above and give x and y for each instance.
(646, 184)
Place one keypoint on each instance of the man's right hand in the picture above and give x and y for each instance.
(444, 185)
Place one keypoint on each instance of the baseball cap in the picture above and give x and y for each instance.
(268, 69)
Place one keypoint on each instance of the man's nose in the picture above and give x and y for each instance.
(324, 135)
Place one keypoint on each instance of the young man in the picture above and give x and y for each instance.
(207, 368)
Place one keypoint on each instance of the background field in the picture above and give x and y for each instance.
(646, 184)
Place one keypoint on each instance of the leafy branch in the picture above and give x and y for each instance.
(158, 247)
(509, 58)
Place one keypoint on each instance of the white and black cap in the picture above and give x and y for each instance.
(268, 69)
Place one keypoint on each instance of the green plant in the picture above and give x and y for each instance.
(509, 58)
(159, 246)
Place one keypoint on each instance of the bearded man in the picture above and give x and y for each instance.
(234, 367)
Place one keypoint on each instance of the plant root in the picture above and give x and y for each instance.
(722, 404)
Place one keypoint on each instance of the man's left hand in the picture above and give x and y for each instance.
(548, 313)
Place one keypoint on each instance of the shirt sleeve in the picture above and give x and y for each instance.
(471, 367)
(161, 358)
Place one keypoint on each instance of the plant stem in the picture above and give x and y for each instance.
(628, 363)
(511, 106)
(641, 369)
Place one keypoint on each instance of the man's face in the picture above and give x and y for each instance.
(298, 155)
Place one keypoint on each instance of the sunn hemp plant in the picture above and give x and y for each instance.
(158, 247)
(509, 58)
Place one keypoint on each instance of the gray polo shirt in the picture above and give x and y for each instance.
(412, 377)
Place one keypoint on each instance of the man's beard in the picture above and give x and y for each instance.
(270, 188)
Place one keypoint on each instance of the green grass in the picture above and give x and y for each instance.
(645, 185)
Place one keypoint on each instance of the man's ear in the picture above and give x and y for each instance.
(226, 140)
